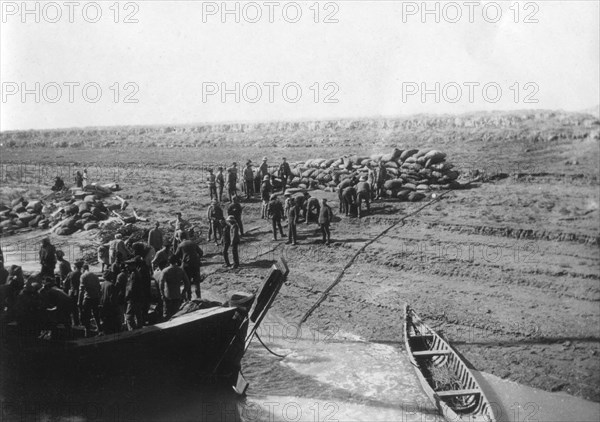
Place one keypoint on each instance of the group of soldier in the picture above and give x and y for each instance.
(130, 269)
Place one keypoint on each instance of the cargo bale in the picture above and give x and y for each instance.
(35, 207)
(64, 231)
(376, 157)
(435, 156)
(423, 152)
(391, 164)
(451, 174)
(302, 186)
(90, 226)
(402, 195)
(423, 186)
(15, 202)
(416, 196)
(89, 198)
(410, 160)
(407, 154)
(25, 217)
(393, 184)
(410, 186)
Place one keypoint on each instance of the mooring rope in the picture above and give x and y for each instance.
(349, 263)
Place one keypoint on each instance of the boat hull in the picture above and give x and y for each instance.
(203, 346)
(428, 352)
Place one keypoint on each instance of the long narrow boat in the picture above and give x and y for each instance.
(204, 345)
(444, 376)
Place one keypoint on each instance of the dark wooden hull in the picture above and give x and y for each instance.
(429, 352)
(204, 346)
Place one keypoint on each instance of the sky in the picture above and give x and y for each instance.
(186, 62)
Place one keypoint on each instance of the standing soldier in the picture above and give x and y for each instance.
(264, 168)
(71, 287)
(363, 194)
(292, 217)
(232, 182)
(155, 237)
(64, 267)
(234, 233)
(325, 219)
(47, 258)
(380, 179)
(215, 215)
(275, 213)
(249, 180)
(285, 173)
(212, 184)
(226, 242)
(190, 253)
(89, 299)
(134, 297)
(235, 210)
(170, 281)
(265, 195)
(220, 180)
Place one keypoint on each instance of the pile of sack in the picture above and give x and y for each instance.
(410, 174)
(65, 212)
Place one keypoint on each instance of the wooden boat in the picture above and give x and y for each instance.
(205, 346)
(444, 376)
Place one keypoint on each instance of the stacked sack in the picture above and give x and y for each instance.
(22, 214)
(410, 173)
(67, 213)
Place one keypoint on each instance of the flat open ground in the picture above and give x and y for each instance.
(508, 270)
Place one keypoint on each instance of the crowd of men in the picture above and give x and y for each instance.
(146, 281)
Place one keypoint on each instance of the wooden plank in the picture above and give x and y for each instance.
(428, 353)
(425, 336)
(457, 393)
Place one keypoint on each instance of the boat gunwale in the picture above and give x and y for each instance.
(447, 411)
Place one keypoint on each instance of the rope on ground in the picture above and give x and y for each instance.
(267, 347)
(349, 263)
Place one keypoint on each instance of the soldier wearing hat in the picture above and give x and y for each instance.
(265, 195)
(134, 296)
(380, 178)
(232, 181)
(325, 219)
(226, 240)
(285, 172)
(220, 180)
(275, 213)
(71, 287)
(249, 180)
(211, 180)
(235, 210)
(264, 168)
(47, 257)
(292, 217)
(234, 234)
(64, 267)
(189, 253)
(214, 215)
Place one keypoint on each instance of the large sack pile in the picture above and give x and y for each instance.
(411, 173)
(65, 212)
